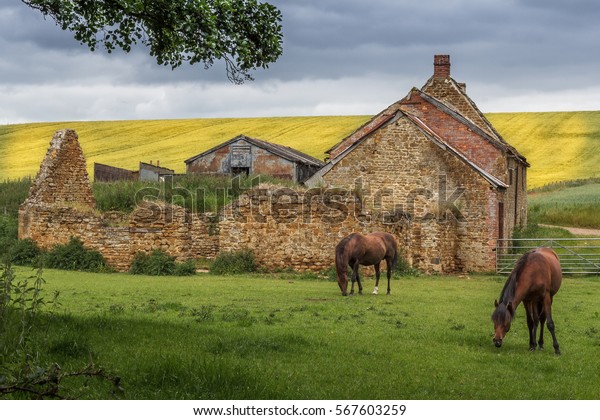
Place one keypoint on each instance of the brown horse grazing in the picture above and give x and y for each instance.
(534, 281)
(357, 249)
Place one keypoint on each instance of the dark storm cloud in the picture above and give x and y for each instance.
(335, 38)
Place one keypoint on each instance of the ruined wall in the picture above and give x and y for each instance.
(63, 178)
(61, 205)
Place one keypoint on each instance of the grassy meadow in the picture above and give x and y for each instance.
(285, 336)
(576, 206)
(559, 145)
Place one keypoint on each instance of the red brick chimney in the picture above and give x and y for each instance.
(441, 66)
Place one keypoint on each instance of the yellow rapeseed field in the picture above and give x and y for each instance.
(559, 145)
(126, 143)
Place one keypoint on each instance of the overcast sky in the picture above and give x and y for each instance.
(341, 57)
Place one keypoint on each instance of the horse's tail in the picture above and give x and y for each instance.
(394, 245)
(341, 260)
(395, 259)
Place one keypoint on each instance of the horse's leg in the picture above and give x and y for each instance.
(377, 274)
(358, 280)
(530, 325)
(542, 322)
(550, 321)
(354, 275)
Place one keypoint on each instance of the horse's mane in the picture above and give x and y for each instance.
(508, 291)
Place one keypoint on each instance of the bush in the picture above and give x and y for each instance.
(74, 256)
(8, 235)
(159, 263)
(187, 268)
(235, 262)
(25, 252)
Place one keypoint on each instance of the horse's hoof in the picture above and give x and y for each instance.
(557, 351)
(531, 348)
(375, 292)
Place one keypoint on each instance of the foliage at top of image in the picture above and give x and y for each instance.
(245, 34)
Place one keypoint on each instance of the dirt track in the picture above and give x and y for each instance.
(578, 231)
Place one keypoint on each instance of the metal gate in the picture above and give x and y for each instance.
(577, 255)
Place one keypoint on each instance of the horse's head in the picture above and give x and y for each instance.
(502, 318)
(343, 282)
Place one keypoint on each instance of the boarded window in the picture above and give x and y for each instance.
(240, 156)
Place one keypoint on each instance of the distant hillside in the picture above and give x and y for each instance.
(126, 143)
(559, 145)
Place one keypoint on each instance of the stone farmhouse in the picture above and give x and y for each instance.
(434, 156)
(430, 169)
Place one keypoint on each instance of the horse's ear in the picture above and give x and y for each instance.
(496, 303)
(510, 308)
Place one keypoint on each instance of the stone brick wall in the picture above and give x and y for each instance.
(120, 236)
(299, 228)
(452, 209)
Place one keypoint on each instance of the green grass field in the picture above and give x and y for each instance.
(559, 145)
(284, 336)
(576, 206)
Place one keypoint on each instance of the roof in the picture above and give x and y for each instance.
(439, 141)
(483, 128)
(285, 152)
(483, 125)
(429, 134)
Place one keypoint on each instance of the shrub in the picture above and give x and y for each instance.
(25, 252)
(74, 256)
(159, 263)
(8, 234)
(187, 268)
(235, 262)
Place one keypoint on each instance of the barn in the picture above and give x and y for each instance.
(435, 157)
(250, 156)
